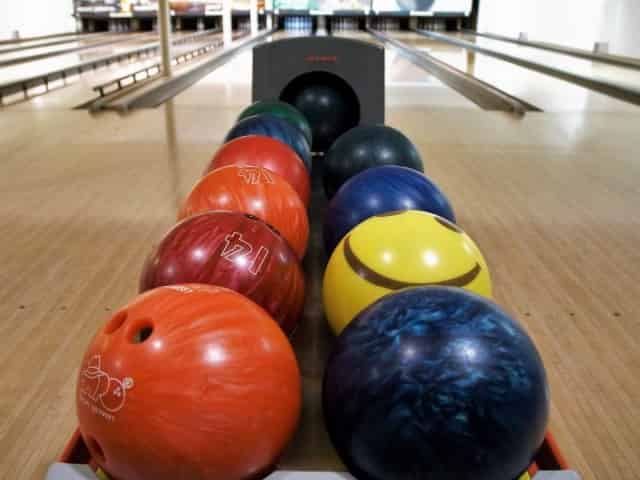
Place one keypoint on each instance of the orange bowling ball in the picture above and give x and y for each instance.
(188, 382)
(256, 191)
(269, 153)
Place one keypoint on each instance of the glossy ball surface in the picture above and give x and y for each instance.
(398, 250)
(265, 152)
(381, 190)
(282, 110)
(188, 381)
(435, 383)
(274, 127)
(232, 250)
(256, 191)
(363, 147)
(329, 107)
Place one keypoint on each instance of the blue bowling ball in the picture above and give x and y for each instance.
(380, 190)
(435, 383)
(274, 127)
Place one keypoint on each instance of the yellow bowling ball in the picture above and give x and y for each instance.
(398, 250)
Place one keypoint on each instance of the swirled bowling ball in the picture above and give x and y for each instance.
(256, 191)
(363, 147)
(232, 250)
(282, 110)
(274, 127)
(381, 190)
(435, 383)
(188, 381)
(397, 250)
(265, 152)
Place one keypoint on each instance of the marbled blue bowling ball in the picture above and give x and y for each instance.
(274, 127)
(435, 383)
(380, 190)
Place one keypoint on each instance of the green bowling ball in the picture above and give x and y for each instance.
(282, 110)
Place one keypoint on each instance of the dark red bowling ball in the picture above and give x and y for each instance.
(265, 152)
(232, 250)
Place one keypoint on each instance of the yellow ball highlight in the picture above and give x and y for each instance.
(102, 475)
(399, 250)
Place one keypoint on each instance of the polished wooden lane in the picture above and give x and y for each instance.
(547, 93)
(551, 199)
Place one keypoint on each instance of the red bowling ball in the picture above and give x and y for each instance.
(256, 191)
(190, 382)
(232, 250)
(265, 152)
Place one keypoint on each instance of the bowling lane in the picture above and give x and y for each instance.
(592, 69)
(227, 88)
(25, 55)
(43, 42)
(38, 67)
(80, 89)
(409, 86)
(546, 92)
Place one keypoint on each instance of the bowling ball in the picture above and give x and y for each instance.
(416, 5)
(397, 250)
(365, 147)
(265, 152)
(256, 191)
(232, 250)
(328, 103)
(188, 381)
(381, 190)
(282, 110)
(435, 383)
(274, 127)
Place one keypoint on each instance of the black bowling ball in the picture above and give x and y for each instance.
(364, 147)
(330, 106)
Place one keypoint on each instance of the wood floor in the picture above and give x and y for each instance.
(552, 200)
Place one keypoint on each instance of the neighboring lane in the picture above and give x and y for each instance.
(26, 55)
(80, 90)
(410, 86)
(546, 92)
(17, 72)
(27, 44)
(587, 68)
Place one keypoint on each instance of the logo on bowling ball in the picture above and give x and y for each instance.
(237, 250)
(255, 176)
(100, 388)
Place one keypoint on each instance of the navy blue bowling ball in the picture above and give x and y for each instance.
(435, 383)
(379, 190)
(366, 146)
(274, 127)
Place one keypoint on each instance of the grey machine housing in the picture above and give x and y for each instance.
(359, 64)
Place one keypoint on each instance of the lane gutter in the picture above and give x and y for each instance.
(617, 60)
(178, 83)
(481, 93)
(621, 92)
